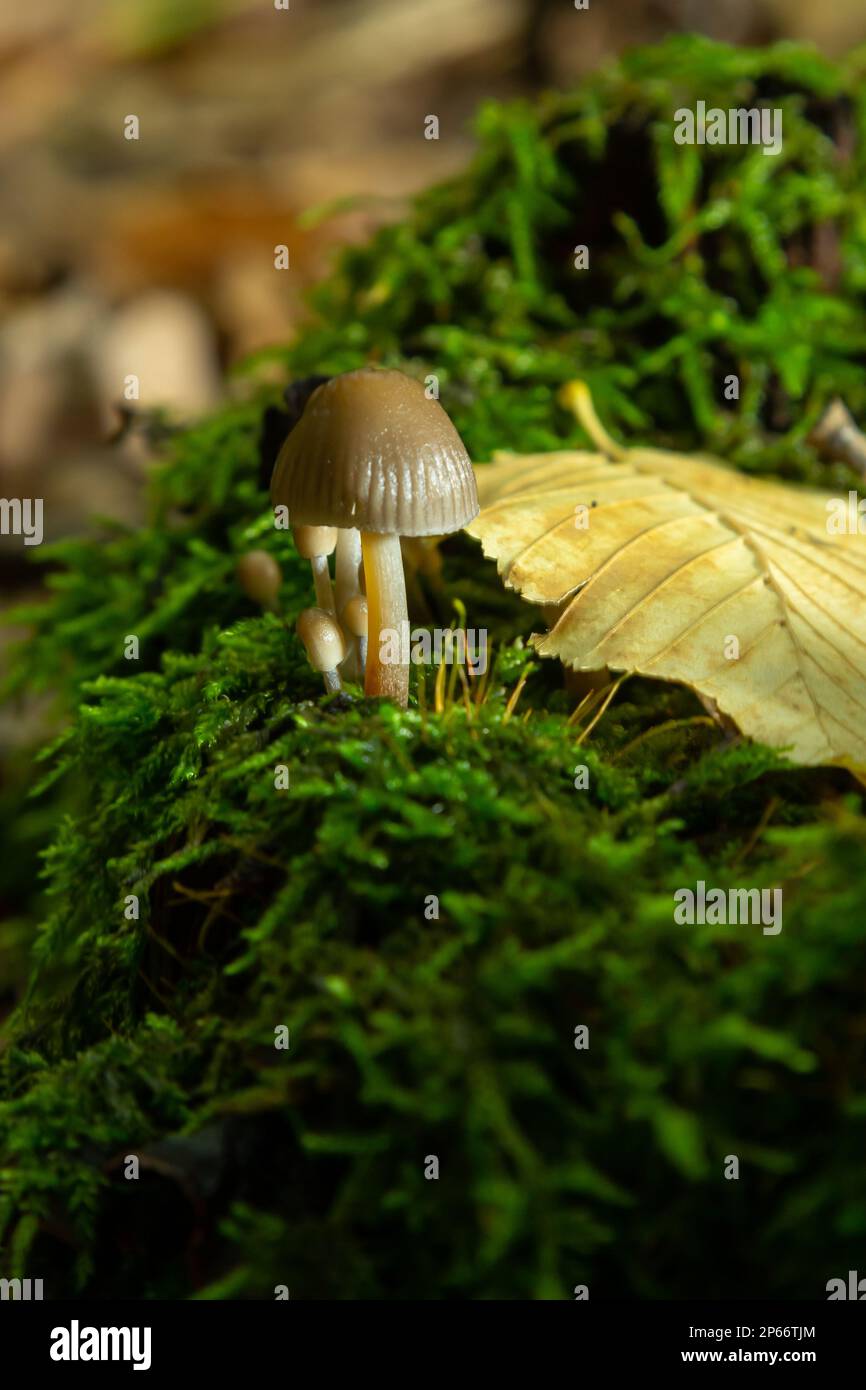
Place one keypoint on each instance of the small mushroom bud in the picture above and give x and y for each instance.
(324, 643)
(354, 619)
(260, 577)
(316, 543)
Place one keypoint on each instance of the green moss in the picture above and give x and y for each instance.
(453, 1036)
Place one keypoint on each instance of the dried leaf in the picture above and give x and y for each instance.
(684, 569)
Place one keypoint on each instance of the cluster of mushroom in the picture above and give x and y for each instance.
(372, 458)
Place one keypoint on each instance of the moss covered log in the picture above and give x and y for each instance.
(303, 907)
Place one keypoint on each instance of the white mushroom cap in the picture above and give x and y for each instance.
(323, 639)
(314, 540)
(259, 576)
(354, 616)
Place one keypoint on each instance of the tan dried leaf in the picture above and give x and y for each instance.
(680, 562)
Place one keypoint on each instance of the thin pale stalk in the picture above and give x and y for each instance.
(387, 612)
(322, 581)
(347, 583)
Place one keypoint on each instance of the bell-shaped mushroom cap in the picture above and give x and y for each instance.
(259, 576)
(355, 617)
(312, 541)
(322, 637)
(372, 451)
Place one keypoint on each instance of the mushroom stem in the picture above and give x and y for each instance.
(316, 543)
(387, 612)
(354, 621)
(347, 565)
(322, 581)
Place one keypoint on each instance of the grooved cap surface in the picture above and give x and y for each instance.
(371, 451)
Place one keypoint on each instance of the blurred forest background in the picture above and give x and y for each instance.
(156, 255)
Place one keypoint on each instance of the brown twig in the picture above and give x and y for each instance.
(837, 436)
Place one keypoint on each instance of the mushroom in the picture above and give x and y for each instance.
(260, 577)
(372, 451)
(316, 543)
(354, 620)
(325, 644)
(347, 585)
